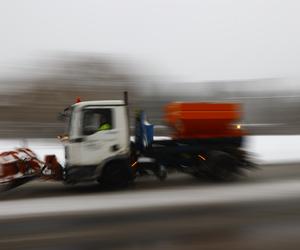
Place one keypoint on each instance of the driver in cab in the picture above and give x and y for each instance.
(104, 124)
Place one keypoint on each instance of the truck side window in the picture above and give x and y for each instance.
(96, 119)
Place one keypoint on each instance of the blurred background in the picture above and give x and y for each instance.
(30, 103)
(159, 51)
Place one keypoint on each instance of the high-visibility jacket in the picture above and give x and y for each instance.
(104, 126)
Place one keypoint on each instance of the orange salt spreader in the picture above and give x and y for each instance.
(204, 120)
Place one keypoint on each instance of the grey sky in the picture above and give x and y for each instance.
(183, 39)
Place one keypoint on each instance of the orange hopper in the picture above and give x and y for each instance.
(203, 120)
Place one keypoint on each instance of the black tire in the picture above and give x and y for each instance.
(222, 166)
(201, 170)
(116, 175)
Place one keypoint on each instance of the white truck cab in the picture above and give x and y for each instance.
(98, 138)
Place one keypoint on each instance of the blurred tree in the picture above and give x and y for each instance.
(33, 112)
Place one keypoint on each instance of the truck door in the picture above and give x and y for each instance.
(100, 135)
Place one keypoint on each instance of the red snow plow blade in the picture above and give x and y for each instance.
(22, 165)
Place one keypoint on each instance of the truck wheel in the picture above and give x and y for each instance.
(116, 175)
(222, 166)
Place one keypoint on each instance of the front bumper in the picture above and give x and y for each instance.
(75, 174)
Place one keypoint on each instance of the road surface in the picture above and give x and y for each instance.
(258, 211)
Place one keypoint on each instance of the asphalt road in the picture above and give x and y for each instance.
(258, 211)
(39, 189)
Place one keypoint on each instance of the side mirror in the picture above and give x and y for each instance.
(61, 116)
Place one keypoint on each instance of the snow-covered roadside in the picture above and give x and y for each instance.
(265, 149)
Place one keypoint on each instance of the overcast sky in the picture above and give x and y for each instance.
(192, 40)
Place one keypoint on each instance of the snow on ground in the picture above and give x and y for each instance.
(265, 149)
(274, 149)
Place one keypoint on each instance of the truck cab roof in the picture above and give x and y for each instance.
(100, 103)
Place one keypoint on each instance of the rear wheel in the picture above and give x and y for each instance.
(222, 166)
